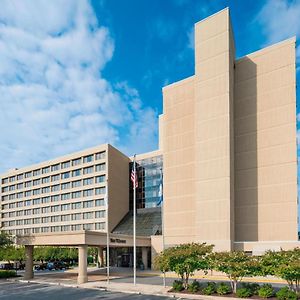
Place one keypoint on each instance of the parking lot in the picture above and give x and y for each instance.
(28, 291)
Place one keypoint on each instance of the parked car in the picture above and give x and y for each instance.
(6, 265)
(57, 265)
(41, 266)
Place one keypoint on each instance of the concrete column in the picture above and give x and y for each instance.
(28, 262)
(82, 264)
(145, 257)
(100, 257)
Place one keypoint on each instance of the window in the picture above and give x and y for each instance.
(36, 201)
(65, 164)
(45, 229)
(27, 221)
(12, 179)
(65, 175)
(27, 203)
(76, 227)
(100, 191)
(76, 205)
(12, 188)
(88, 193)
(46, 179)
(76, 183)
(46, 190)
(4, 198)
(55, 188)
(46, 210)
(19, 186)
(27, 184)
(76, 172)
(87, 226)
(88, 158)
(28, 174)
(76, 194)
(88, 204)
(45, 170)
(20, 177)
(55, 219)
(88, 170)
(11, 223)
(65, 186)
(55, 167)
(100, 167)
(11, 205)
(55, 177)
(76, 162)
(19, 231)
(46, 199)
(19, 222)
(11, 214)
(36, 230)
(27, 193)
(87, 215)
(55, 208)
(4, 180)
(55, 228)
(19, 204)
(19, 195)
(76, 217)
(88, 181)
(65, 218)
(65, 196)
(36, 211)
(65, 228)
(100, 214)
(100, 155)
(36, 172)
(27, 230)
(45, 220)
(12, 196)
(100, 179)
(36, 182)
(36, 220)
(54, 198)
(27, 212)
(65, 207)
(19, 213)
(5, 189)
(36, 191)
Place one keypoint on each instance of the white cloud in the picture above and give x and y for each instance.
(280, 19)
(54, 99)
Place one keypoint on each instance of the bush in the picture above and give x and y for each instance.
(194, 287)
(244, 292)
(286, 294)
(177, 285)
(253, 287)
(266, 291)
(223, 289)
(210, 289)
(7, 273)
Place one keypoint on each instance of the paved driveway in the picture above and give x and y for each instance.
(29, 291)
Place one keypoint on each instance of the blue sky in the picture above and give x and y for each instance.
(75, 74)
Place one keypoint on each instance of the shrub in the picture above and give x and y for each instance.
(266, 291)
(244, 292)
(177, 285)
(194, 287)
(223, 289)
(7, 273)
(253, 287)
(210, 288)
(286, 294)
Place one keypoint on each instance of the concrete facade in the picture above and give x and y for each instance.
(228, 135)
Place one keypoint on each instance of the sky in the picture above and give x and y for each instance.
(76, 74)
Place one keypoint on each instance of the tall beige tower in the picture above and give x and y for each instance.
(228, 135)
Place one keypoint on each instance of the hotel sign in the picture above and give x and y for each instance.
(119, 241)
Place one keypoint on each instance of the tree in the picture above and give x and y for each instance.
(184, 260)
(5, 239)
(283, 264)
(236, 265)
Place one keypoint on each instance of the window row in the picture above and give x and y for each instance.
(75, 205)
(56, 167)
(64, 218)
(77, 227)
(64, 196)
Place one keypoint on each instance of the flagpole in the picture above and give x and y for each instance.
(107, 235)
(134, 222)
(162, 224)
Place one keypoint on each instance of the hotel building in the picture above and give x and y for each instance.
(227, 152)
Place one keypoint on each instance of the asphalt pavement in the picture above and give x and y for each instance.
(28, 291)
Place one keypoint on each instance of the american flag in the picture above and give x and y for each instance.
(133, 178)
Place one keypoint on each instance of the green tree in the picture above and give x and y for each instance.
(5, 239)
(283, 264)
(184, 260)
(236, 265)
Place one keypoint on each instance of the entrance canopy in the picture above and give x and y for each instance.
(84, 237)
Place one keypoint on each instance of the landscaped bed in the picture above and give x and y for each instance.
(7, 274)
(246, 290)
